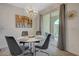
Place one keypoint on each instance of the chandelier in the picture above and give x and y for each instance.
(31, 12)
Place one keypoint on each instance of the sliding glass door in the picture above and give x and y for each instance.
(50, 24)
(54, 26)
(46, 24)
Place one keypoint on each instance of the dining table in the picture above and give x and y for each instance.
(31, 39)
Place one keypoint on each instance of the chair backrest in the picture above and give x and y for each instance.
(38, 32)
(46, 43)
(24, 33)
(13, 46)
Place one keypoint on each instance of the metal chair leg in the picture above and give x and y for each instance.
(41, 51)
(45, 52)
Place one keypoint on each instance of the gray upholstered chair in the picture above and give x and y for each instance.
(38, 32)
(45, 45)
(13, 46)
(24, 33)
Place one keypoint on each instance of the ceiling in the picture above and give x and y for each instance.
(39, 6)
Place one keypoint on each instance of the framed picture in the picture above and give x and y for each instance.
(23, 22)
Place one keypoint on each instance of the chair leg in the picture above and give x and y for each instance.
(35, 51)
(23, 44)
(24, 47)
(41, 51)
(45, 52)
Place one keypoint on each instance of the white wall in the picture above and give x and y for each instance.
(7, 23)
(72, 39)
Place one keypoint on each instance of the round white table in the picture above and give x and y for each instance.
(31, 40)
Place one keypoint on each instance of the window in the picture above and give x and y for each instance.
(46, 23)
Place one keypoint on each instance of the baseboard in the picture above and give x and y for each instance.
(3, 48)
(72, 53)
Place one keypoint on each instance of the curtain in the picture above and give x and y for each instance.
(62, 38)
(40, 18)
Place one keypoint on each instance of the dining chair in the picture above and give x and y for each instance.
(14, 48)
(24, 33)
(45, 45)
(38, 32)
